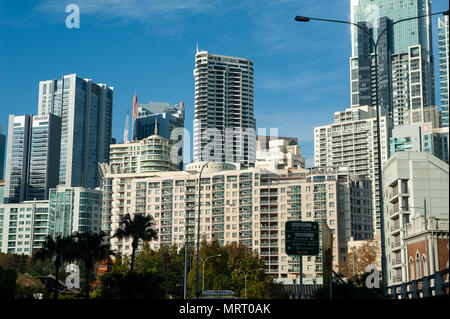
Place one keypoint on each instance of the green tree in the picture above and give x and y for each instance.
(15, 262)
(89, 248)
(59, 251)
(141, 227)
(7, 283)
(224, 272)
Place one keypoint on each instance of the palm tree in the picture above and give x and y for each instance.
(59, 251)
(89, 248)
(141, 227)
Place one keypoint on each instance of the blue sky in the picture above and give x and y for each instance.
(148, 46)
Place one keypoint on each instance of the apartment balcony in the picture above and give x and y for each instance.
(397, 262)
(395, 226)
(396, 244)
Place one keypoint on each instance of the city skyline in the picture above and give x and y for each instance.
(291, 69)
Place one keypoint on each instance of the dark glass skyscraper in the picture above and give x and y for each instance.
(43, 169)
(2, 153)
(32, 157)
(406, 74)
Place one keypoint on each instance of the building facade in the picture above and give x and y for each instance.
(351, 142)
(443, 45)
(2, 153)
(426, 240)
(43, 167)
(74, 209)
(17, 155)
(148, 155)
(85, 109)
(405, 63)
(32, 157)
(419, 137)
(167, 119)
(415, 184)
(249, 206)
(224, 124)
(23, 226)
(278, 153)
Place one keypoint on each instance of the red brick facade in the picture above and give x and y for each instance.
(419, 268)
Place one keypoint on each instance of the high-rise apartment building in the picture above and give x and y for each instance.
(32, 157)
(411, 180)
(249, 206)
(443, 44)
(2, 152)
(352, 142)
(23, 226)
(405, 68)
(85, 109)
(224, 125)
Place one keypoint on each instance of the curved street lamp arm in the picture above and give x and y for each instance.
(403, 20)
(365, 29)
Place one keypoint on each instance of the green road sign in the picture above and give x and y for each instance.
(302, 238)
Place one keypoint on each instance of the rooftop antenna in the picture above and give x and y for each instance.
(156, 126)
(127, 127)
(197, 47)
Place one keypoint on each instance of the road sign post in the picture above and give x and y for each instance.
(302, 238)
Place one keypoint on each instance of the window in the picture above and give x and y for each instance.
(418, 267)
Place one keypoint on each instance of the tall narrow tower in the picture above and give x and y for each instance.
(224, 125)
(127, 127)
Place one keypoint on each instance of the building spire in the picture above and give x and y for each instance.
(156, 126)
(197, 47)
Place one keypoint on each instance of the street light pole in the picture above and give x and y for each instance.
(198, 229)
(245, 279)
(378, 135)
(203, 267)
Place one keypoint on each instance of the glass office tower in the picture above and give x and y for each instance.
(443, 42)
(17, 158)
(406, 74)
(32, 157)
(85, 109)
(43, 168)
(2, 153)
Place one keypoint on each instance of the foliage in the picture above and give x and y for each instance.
(89, 248)
(7, 283)
(58, 250)
(27, 286)
(358, 259)
(351, 289)
(19, 263)
(141, 227)
(131, 285)
(225, 272)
